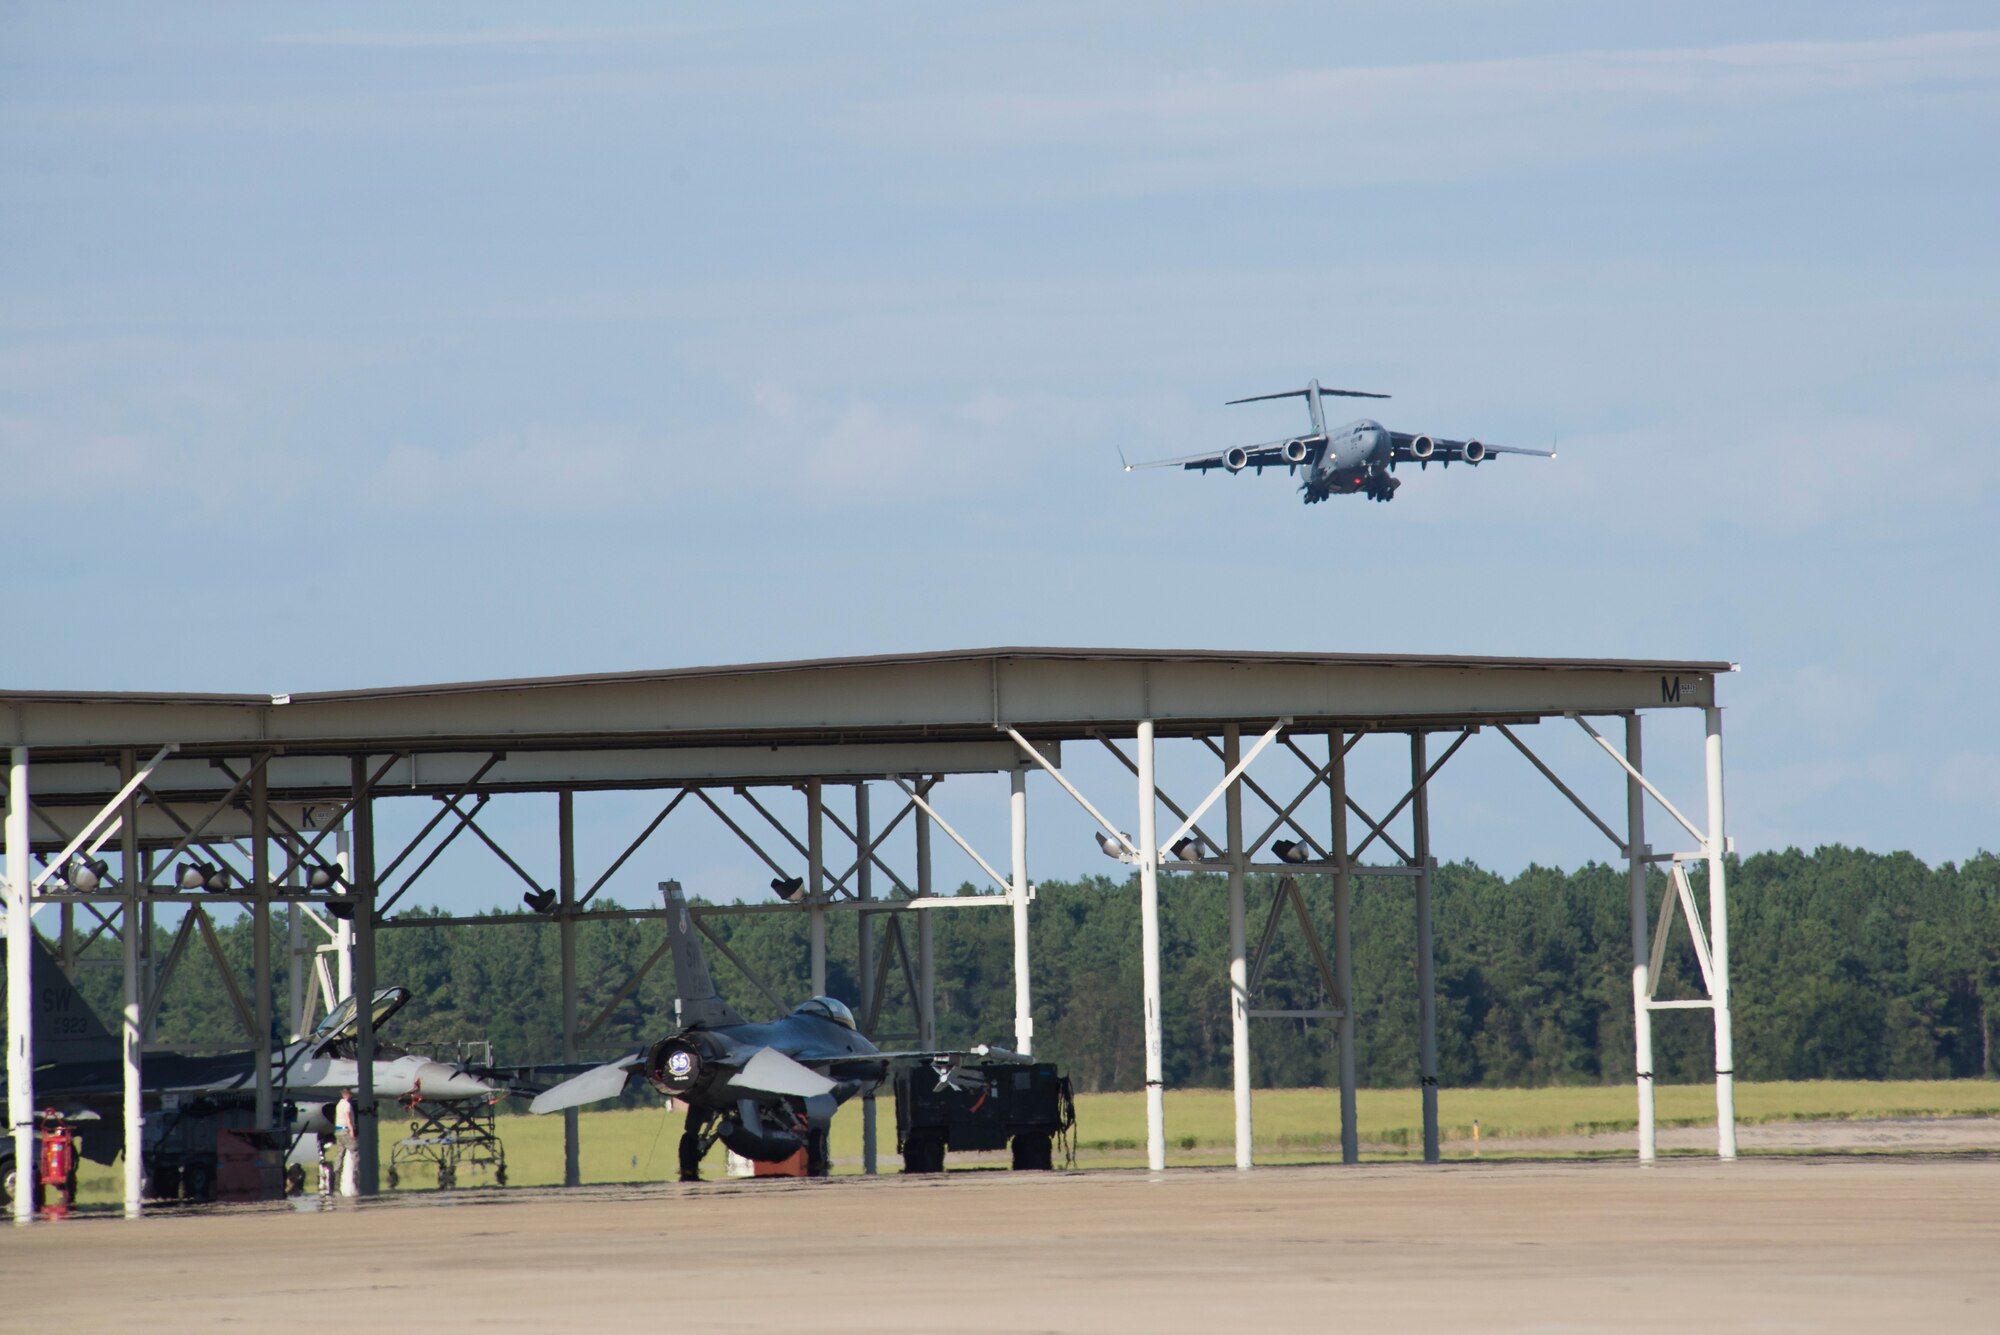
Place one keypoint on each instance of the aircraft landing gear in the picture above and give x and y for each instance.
(696, 1137)
(818, 1164)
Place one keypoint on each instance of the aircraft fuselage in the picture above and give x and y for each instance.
(1354, 458)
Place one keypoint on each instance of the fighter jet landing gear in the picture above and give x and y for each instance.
(696, 1138)
(767, 1133)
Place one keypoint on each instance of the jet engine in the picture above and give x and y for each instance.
(676, 1066)
(1423, 447)
(1474, 451)
(1293, 451)
(1235, 458)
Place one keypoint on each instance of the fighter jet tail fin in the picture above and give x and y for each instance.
(701, 1006)
(66, 1028)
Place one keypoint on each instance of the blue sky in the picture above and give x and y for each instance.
(353, 345)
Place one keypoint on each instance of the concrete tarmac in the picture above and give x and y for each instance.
(1766, 1244)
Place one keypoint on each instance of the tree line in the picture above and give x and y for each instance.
(1846, 963)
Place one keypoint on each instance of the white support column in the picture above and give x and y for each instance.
(1239, 964)
(926, 961)
(1718, 944)
(20, 988)
(1024, 998)
(131, 1021)
(260, 938)
(1149, 947)
(566, 944)
(1420, 849)
(864, 941)
(816, 887)
(1642, 949)
(343, 929)
(1343, 947)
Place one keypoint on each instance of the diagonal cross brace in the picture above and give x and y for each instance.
(1679, 891)
(498, 851)
(740, 832)
(1284, 813)
(1068, 787)
(945, 825)
(1644, 782)
(873, 855)
(1564, 789)
(463, 821)
(1166, 799)
(1415, 788)
(632, 848)
(436, 820)
(1235, 773)
(107, 814)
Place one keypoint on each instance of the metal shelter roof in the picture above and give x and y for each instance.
(941, 712)
(963, 694)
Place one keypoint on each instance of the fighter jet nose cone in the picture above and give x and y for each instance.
(446, 1082)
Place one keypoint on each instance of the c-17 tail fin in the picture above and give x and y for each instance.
(1311, 389)
(701, 1006)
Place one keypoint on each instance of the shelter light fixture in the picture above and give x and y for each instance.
(1187, 850)
(85, 875)
(202, 876)
(1288, 851)
(541, 901)
(323, 876)
(791, 889)
(342, 909)
(1111, 847)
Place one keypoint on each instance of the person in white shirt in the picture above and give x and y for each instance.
(343, 1137)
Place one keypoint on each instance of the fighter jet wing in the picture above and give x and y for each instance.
(598, 1083)
(770, 1071)
(1266, 455)
(1404, 449)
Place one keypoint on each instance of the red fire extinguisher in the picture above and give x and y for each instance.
(58, 1159)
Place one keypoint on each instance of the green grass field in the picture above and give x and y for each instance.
(1292, 1126)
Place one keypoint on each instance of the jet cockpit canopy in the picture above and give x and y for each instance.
(827, 1008)
(342, 1024)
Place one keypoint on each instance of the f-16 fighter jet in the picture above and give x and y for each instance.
(1359, 457)
(78, 1070)
(765, 1090)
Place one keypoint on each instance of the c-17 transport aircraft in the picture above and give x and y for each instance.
(765, 1090)
(1361, 456)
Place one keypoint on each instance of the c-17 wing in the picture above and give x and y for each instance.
(1235, 459)
(1405, 448)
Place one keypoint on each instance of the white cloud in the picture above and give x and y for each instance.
(470, 37)
(536, 469)
(1414, 122)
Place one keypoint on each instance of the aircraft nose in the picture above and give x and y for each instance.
(447, 1082)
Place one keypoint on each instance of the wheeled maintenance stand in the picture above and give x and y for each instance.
(984, 1108)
